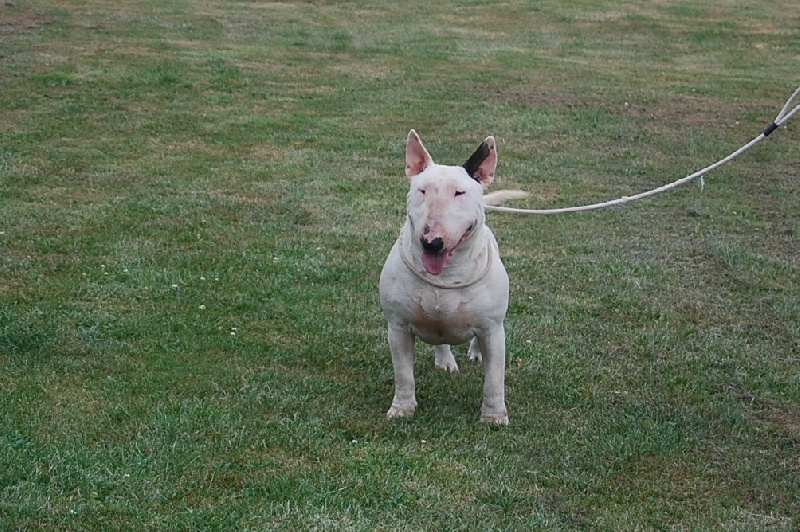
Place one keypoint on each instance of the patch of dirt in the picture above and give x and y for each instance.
(699, 111)
(532, 97)
(232, 196)
(783, 418)
(14, 19)
(685, 110)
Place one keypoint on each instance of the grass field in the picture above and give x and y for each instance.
(196, 199)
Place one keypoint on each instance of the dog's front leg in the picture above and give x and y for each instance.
(401, 343)
(493, 347)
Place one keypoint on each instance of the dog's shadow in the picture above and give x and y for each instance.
(445, 395)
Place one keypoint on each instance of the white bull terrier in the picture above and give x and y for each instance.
(443, 281)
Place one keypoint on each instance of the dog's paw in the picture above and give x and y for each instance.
(475, 354)
(444, 359)
(498, 417)
(396, 412)
(501, 419)
(449, 366)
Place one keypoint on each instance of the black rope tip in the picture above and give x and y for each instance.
(770, 128)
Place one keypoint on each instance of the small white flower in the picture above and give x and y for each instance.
(174, 287)
(202, 278)
(202, 307)
(125, 270)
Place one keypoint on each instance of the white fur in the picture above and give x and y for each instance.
(420, 296)
(502, 196)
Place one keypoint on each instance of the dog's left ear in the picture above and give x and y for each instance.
(481, 164)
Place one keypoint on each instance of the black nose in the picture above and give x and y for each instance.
(434, 246)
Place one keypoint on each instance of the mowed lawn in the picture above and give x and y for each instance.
(196, 199)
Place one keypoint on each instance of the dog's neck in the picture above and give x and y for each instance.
(469, 264)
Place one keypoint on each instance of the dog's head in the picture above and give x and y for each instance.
(445, 203)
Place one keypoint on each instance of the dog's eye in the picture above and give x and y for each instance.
(459, 193)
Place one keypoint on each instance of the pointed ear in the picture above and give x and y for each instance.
(417, 157)
(481, 164)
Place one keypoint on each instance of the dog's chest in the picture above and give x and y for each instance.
(442, 316)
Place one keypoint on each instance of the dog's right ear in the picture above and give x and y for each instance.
(417, 157)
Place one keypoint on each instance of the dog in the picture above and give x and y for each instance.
(443, 281)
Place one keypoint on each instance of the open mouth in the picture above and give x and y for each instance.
(434, 262)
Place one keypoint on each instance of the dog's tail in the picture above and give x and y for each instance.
(502, 196)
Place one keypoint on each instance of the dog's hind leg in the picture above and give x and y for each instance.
(445, 359)
(474, 350)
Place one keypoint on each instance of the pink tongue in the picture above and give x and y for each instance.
(434, 263)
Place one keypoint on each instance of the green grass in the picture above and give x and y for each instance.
(196, 199)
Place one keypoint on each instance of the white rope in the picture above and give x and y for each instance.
(785, 114)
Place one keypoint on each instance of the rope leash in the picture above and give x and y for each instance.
(786, 113)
